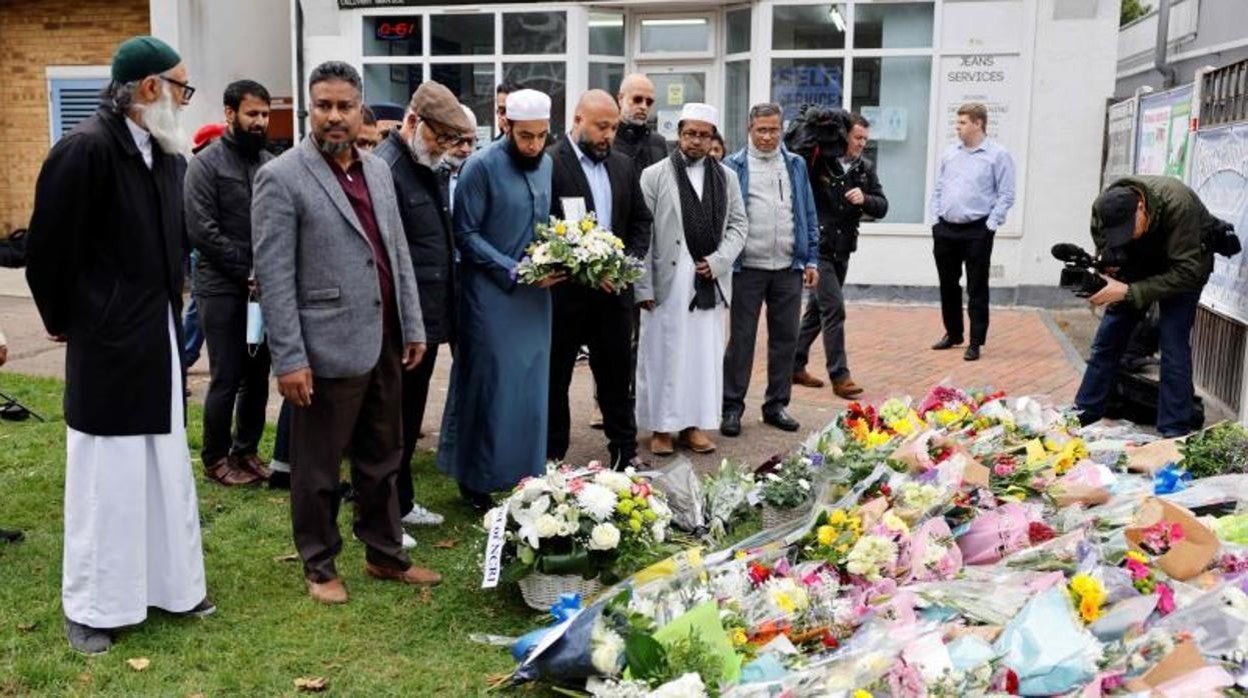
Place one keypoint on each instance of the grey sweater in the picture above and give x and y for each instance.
(769, 245)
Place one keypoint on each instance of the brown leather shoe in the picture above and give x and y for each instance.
(252, 463)
(661, 444)
(411, 575)
(805, 379)
(225, 472)
(846, 388)
(331, 592)
(694, 440)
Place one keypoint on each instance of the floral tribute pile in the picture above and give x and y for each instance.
(588, 253)
(964, 544)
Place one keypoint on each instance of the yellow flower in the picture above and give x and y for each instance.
(862, 694)
(784, 602)
(741, 555)
(893, 522)
(587, 225)
(561, 228)
(739, 638)
(875, 439)
(826, 535)
(901, 426)
(1083, 585)
(619, 244)
(1089, 610)
(1036, 454)
(837, 518)
(1138, 557)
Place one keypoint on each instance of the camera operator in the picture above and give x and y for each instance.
(846, 188)
(1155, 242)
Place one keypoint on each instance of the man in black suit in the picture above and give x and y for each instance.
(588, 175)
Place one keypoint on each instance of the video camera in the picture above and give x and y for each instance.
(1081, 273)
(818, 128)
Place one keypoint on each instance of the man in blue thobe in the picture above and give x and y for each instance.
(494, 426)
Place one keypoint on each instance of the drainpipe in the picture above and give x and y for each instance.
(301, 111)
(1167, 71)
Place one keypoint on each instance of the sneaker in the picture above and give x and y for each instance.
(420, 516)
(408, 542)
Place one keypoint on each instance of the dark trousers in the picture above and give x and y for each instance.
(955, 245)
(281, 440)
(192, 333)
(415, 395)
(239, 387)
(825, 310)
(360, 416)
(1174, 405)
(781, 290)
(604, 323)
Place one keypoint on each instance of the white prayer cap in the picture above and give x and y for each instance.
(472, 118)
(528, 105)
(697, 111)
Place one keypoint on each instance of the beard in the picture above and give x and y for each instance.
(162, 120)
(249, 142)
(595, 153)
(524, 162)
(420, 150)
(332, 149)
(452, 162)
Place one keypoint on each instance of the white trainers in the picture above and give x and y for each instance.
(420, 516)
(408, 542)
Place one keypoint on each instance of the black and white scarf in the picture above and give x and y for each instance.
(703, 221)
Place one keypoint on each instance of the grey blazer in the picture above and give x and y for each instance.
(658, 187)
(318, 281)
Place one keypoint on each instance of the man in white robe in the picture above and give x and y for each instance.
(105, 269)
(699, 229)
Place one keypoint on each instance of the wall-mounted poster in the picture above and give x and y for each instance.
(1163, 133)
(1120, 145)
(1220, 177)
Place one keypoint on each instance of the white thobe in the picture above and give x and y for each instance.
(680, 353)
(132, 537)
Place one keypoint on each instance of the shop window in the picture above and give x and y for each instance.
(808, 27)
(392, 35)
(736, 104)
(798, 81)
(606, 76)
(550, 78)
(893, 94)
(738, 26)
(606, 34)
(391, 83)
(894, 25)
(683, 35)
(535, 33)
(461, 35)
(472, 83)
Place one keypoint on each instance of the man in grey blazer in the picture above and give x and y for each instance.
(699, 229)
(342, 312)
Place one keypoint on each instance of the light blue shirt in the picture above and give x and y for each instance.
(450, 190)
(974, 183)
(599, 184)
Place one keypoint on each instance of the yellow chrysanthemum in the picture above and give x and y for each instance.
(1089, 610)
(826, 535)
(862, 694)
(837, 518)
(587, 225)
(739, 638)
(1083, 584)
(875, 439)
(902, 426)
(561, 228)
(1138, 557)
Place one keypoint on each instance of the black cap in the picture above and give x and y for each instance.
(1115, 208)
(387, 111)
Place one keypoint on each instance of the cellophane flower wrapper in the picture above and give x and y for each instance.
(683, 490)
(995, 534)
(931, 553)
(1211, 491)
(1124, 616)
(1217, 620)
(1049, 649)
(1061, 554)
(588, 253)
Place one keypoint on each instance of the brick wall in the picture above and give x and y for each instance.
(33, 35)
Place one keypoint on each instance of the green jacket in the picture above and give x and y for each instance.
(1171, 257)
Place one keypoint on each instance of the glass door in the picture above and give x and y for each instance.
(674, 85)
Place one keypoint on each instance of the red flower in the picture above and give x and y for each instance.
(1038, 533)
(830, 641)
(1011, 682)
(759, 573)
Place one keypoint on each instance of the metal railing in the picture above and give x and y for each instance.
(1217, 357)
(1224, 95)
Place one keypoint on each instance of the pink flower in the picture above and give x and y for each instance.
(1165, 599)
(1112, 682)
(594, 466)
(641, 489)
(576, 485)
(1138, 569)
(906, 681)
(1005, 468)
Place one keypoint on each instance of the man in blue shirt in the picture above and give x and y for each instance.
(974, 191)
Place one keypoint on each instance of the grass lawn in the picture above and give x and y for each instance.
(389, 640)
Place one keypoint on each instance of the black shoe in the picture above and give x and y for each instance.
(972, 353)
(479, 501)
(10, 536)
(279, 480)
(202, 609)
(730, 425)
(947, 342)
(86, 640)
(781, 419)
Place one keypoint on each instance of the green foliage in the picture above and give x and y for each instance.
(1132, 10)
(790, 484)
(691, 653)
(1219, 450)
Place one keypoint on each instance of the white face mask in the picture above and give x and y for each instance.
(162, 119)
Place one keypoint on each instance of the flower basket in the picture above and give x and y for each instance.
(541, 591)
(775, 516)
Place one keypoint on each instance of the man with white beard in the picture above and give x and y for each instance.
(459, 153)
(434, 123)
(105, 268)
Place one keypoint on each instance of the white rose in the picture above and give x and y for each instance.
(604, 536)
(616, 482)
(605, 655)
(547, 526)
(659, 532)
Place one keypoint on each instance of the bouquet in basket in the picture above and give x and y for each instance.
(588, 253)
(589, 522)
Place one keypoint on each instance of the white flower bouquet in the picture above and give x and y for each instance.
(588, 253)
(590, 522)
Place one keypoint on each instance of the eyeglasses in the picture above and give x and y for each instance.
(697, 135)
(187, 90)
(451, 139)
(648, 101)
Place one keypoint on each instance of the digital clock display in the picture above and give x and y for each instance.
(397, 28)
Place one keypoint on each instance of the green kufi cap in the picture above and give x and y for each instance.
(142, 56)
